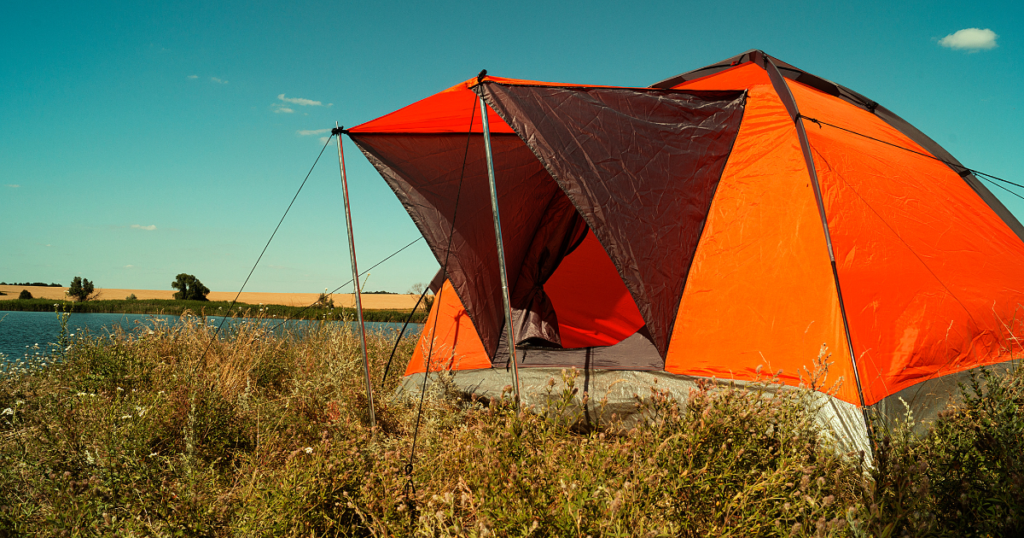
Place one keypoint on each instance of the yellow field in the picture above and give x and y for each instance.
(370, 302)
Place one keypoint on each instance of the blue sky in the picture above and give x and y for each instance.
(142, 140)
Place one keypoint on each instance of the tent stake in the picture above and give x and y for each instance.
(355, 277)
(501, 249)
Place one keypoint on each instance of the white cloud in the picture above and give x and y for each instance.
(192, 77)
(970, 39)
(218, 81)
(129, 266)
(299, 101)
(313, 132)
(283, 110)
(150, 228)
(324, 139)
(13, 186)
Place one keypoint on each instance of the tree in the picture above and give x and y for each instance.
(325, 301)
(24, 295)
(81, 288)
(189, 288)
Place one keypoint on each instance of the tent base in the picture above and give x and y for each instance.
(617, 392)
(924, 401)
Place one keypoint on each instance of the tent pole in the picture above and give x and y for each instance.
(501, 249)
(355, 276)
(786, 96)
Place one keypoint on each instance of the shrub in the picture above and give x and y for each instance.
(131, 297)
(24, 295)
(966, 476)
(324, 301)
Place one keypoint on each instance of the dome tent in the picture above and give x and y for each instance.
(726, 221)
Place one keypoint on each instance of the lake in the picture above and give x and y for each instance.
(33, 333)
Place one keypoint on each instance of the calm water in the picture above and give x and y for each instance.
(32, 333)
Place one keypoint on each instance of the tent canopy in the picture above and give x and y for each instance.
(575, 157)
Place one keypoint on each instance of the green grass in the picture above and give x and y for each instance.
(209, 308)
(177, 434)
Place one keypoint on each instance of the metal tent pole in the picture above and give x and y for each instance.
(501, 249)
(355, 276)
(786, 96)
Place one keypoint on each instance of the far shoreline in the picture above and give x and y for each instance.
(371, 301)
(376, 307)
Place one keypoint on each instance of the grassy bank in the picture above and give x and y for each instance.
(209, 308)
(175, 434)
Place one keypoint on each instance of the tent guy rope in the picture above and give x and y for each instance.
(410, 487)
(979, 173)
(264, 251)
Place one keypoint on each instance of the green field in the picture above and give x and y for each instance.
(207, 308)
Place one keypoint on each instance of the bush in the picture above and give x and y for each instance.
(324, 301)
(966, 476)
(24, 295)
(131, 297)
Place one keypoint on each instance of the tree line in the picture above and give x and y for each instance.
(82, 289)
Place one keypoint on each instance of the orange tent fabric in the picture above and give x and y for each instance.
(829, 221)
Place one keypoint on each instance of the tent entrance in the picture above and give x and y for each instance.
(600, 190)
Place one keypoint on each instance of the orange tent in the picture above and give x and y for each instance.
(722, 223)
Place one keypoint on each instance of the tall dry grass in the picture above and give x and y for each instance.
(176, 433)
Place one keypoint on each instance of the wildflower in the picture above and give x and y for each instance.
(80, 394)
(125, 417)
(19, 402)
(308, 450)
(8, 411)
